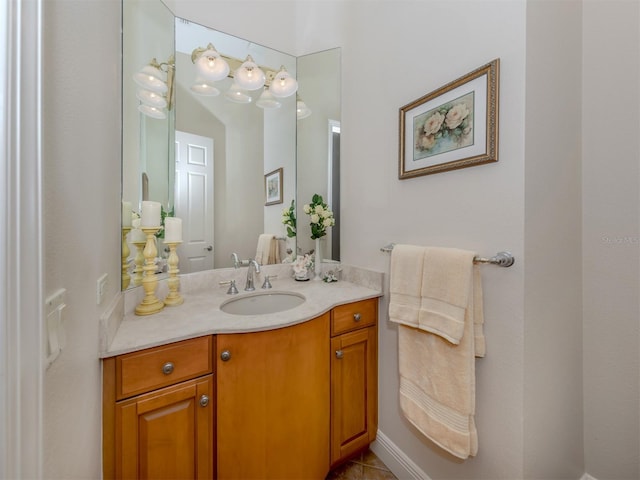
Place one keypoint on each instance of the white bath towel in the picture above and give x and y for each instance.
(268, 250)
(437, 376)
(405, 284)
(446, 280)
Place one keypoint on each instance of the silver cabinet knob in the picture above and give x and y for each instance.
(356, 317)
(339, 354)
(225, 356)
(209, 248)
(167, 368)
(204, 401)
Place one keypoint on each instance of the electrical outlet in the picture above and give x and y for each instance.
(102, 287)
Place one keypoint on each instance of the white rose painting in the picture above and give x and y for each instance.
(444, 128)
(453, 127)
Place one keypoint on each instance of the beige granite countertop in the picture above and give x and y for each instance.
(200, 314)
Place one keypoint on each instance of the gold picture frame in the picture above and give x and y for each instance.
(273, 187)
(453, 127)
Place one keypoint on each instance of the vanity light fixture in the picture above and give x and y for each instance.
(153, 112)
(246, 75)
(283, 85)
(302, 111)
(151, 98)
(151, 78)
(267, 100)
(203, 88)
(249, 76)
(155, 82)
(210, 65)
(237, 94)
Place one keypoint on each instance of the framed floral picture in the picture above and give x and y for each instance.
(273, 187)
(453, 127)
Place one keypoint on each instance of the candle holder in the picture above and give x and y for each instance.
(150, 303)
(139, 263)
(173, 298)
(126, 278)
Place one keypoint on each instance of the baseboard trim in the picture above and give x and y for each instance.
(395, 459)
(402, 466)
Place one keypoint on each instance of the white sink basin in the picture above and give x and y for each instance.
(262, 303)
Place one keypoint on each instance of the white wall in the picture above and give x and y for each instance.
(611, 238)
(553, 254)
(81, 198)
(422, 46)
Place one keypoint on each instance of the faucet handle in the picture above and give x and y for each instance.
(232, 287)
(267, 283)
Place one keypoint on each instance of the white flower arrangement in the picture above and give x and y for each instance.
(320, 216)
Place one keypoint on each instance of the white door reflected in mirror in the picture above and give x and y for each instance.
(194, 201)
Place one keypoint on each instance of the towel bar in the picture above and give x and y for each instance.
(502, 259)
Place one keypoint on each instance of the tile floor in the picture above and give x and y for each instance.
(365, 466)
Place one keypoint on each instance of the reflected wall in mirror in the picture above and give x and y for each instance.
(319, 145)
(248, 142)
(206, 162)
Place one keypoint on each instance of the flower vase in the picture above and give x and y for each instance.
(318, 261)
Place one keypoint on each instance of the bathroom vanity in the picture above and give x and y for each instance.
(282, 395)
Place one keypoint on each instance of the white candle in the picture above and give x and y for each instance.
(150, 214)
(172, 229)
(126, 214)
(137, 236)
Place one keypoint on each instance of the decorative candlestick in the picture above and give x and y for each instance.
(139, 262)
(126, 278)
(173, 282)
(150, 304)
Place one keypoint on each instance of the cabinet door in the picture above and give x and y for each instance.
(167, 434)
(273, 403)
(354, 385)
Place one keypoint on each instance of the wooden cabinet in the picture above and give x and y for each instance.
(273, 403)
(354, 373)
(287, 403)
(158, 412)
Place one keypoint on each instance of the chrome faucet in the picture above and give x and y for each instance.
(253, 267)
(236, 262)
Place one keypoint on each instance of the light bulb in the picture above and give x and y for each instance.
(302, 111)
(151, 78)
(150, 98)
(237, 95)
(152, 112)
(283, 85)
(211, 66)
(203, 88)
(249, 76)
(267, 100)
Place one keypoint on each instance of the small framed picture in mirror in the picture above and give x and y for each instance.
(273, 187)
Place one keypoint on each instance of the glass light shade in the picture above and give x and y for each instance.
(302, 111)
(152, 112)
(150, 98)
(237, 95)
(249, 76)
(151, 78)
(267, 100)
(204, 89)
(283, 85)
(211, 66)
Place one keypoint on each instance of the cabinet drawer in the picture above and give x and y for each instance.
(354, 315)
(146, 370)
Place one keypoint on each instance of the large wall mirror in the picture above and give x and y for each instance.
(227, 163)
